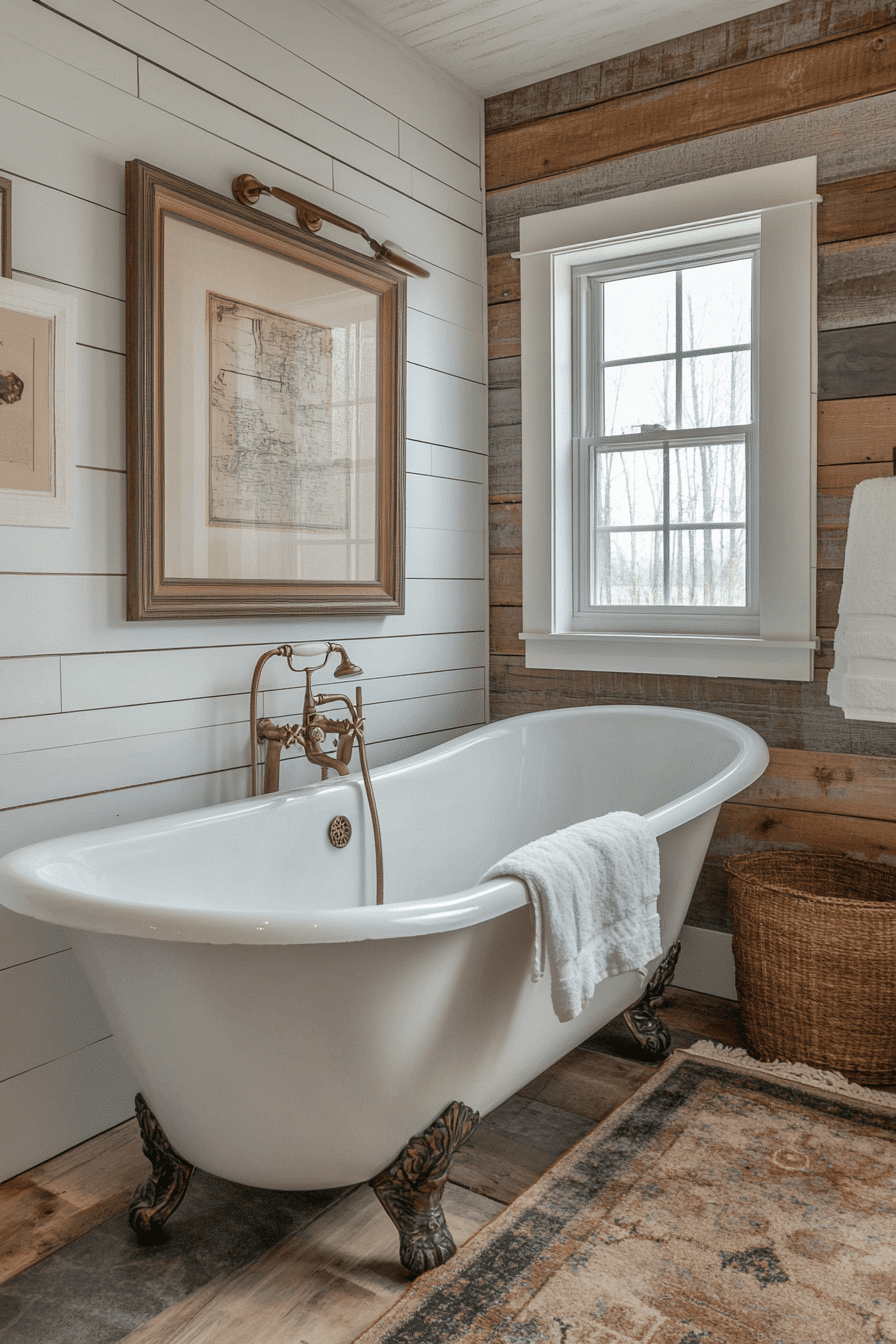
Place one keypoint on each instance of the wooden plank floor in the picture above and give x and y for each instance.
(327, 1281)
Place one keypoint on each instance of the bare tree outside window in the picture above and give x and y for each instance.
(670, 514)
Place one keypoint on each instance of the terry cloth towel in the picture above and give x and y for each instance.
(862, 681)
(593, 889)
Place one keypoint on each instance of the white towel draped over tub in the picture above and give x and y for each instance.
(593, 889)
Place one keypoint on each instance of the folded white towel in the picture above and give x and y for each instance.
(593, 889)
(863, 679)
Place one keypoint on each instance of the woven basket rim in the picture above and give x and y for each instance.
(796, 893)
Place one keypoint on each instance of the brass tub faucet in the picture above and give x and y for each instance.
(312, 732)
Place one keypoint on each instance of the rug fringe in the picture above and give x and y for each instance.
(797, 1073)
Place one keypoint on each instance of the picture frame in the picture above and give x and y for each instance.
(37, 405)
(265, 405)
(5, 228)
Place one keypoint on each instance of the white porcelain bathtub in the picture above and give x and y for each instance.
(288, 1033)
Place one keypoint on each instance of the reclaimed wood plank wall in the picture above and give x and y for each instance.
(807, 77)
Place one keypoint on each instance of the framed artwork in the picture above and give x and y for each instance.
(5, 227)
(37, 411)
(265, 414)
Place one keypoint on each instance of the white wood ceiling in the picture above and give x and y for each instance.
(497, 45)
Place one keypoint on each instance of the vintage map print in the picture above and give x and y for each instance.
(272, 457)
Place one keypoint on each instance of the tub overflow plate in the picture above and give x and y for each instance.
(340, 832)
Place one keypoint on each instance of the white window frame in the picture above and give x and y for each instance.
(777, 640)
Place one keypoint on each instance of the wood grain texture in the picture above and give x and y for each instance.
(858, 208)
(323, 1285)
(504, 406)
(504, 278)
(514, 1145)
(860, 429)
(857, 361)
(55, 1203)
(505, 467)
(503, 330)
(795, 715)
(506, 580)
(826, 782)
(742, 828)
(504, 630)
(836, 479)
(849, 140)
(795, 24)
(587, 1083)
(857, 282)
(505, 521)
(776, 86)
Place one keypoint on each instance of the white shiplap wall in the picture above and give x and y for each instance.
(102, 720)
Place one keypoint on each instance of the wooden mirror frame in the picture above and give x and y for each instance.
(152, 197)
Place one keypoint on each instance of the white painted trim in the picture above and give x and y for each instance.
(706, 963)
(783, 195)
(31, 508)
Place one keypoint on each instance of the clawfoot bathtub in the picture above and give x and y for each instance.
(288, 1033)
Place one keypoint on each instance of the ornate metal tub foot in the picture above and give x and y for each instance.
(411, 1189)
(156, 1199)
(653, 1037)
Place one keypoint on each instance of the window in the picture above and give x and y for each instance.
(668, 429)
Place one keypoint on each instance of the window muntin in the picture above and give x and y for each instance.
(667, 442)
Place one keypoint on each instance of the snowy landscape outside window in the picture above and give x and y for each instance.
(666, 434)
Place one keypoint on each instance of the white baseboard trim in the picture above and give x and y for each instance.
(706, 962)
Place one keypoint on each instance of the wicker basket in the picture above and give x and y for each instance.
(815, 960)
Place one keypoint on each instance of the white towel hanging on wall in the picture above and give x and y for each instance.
(862, 681)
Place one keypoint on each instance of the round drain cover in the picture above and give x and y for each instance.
(340, 832)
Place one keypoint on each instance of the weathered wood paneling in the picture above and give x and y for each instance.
(505, 579)
(850, 140)
(857, 282)
(505, 463)
(858, 430)
(824, 782)
(859, 208)
(503, 278)
(857, 362)
(505, 523)
(777, 86)
(503, 330)
(790, 714)
(795, 24)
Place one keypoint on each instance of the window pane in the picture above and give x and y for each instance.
(717, 304)
(628, 569)
(639, 316)
(708, 483)
(716, 390)
(628, 488)
(639, 394)
(708, 568)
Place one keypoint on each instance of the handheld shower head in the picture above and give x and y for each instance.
(346, 667)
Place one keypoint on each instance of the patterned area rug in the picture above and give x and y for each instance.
(719, 1205)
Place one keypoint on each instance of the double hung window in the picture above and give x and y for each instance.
(668, 429)
(666, 433)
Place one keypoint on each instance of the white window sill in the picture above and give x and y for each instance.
(672, 655)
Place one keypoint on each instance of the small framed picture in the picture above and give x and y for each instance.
(37, 410)
(265, 413)
(5, 227)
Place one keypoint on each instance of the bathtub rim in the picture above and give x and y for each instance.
(26, 893)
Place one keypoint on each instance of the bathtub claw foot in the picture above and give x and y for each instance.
(652, 1035)
(410, 1190)
(159, 1195)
